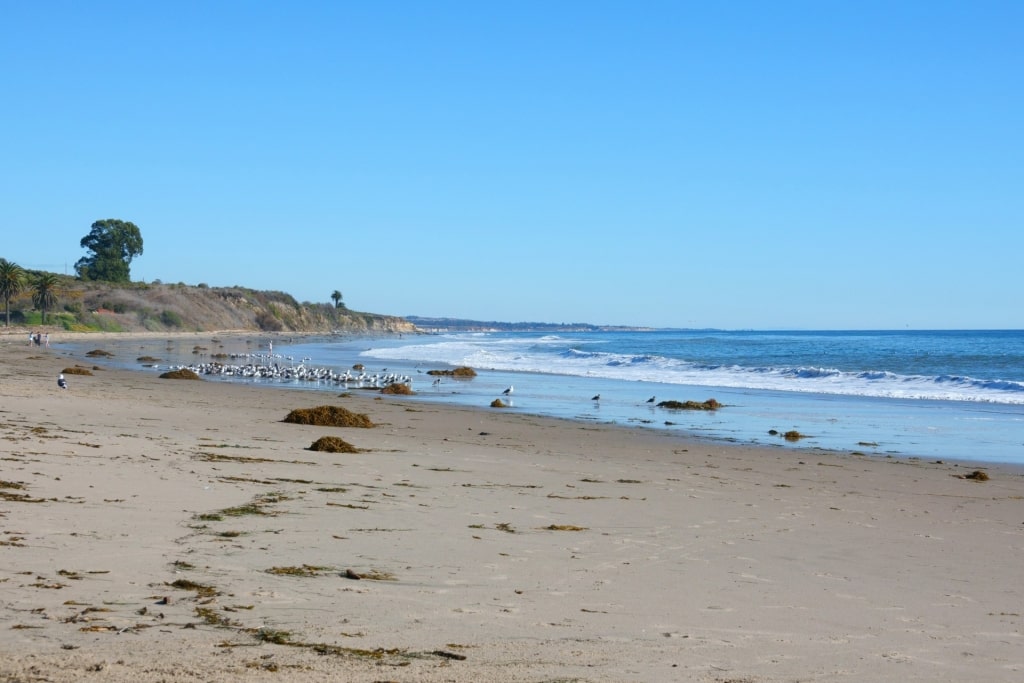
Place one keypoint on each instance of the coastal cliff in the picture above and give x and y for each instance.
(141, 307)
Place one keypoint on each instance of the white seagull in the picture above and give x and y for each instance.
(508, 391)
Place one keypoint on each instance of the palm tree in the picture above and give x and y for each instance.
(336, 296)
(12, 282)
(44, 292)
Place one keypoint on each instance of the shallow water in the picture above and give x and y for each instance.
(835, 417)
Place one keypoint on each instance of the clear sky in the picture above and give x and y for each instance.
(820, 164)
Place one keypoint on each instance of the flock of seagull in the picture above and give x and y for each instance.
(259, 367)
(268, 366)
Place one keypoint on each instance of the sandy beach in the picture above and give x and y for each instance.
(171, 530)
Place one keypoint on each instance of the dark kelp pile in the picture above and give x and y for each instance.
(183, 373)
(710, 404)
(791, 435)
(332, 444)
(328, 416)
(457, 372)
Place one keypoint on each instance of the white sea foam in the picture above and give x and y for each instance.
(550, 355)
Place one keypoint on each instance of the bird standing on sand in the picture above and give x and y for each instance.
(508, 392)
(61, 382)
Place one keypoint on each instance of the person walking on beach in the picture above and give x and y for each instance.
(46, 339)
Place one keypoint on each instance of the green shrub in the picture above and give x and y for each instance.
(103, 323)
(267, 322)
(115, 306)
(170, 319)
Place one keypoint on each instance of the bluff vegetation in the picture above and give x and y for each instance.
(91, 306)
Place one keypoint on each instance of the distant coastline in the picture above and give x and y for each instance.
(426, 324)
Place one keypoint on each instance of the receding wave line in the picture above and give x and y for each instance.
(651, 368)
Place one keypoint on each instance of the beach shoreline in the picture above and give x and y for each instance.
(950, 430)
(179, 530)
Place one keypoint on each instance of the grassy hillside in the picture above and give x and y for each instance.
(135, 307)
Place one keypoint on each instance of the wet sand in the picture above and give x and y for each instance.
(174, 530)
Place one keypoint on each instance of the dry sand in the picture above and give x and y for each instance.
(170, 530)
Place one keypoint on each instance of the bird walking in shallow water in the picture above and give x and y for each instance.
(650, 400)
(508, 392)
(596, 398)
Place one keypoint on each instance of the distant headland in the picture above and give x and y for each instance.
(425, 324)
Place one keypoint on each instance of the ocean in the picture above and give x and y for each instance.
(924, 394)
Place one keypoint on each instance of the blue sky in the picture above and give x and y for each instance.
(821, 165)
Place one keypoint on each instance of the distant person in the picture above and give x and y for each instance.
(31, 338)
(61, 382)
(46, 339)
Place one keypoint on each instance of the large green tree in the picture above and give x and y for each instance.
(113, 243)
(12, 282)
(45, 288)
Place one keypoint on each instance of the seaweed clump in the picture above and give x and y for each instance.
(457, 372)
(328, 416)
(304, 570)
(398, 389)
(183, 373)
(332, 444)
(710, 404)
(791, 435)
(497, 403)
(977, 475)
(98, 353)
(77, 371)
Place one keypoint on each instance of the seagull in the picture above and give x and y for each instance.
(508, 391)
(650, 400)
(61, 382)
(596, 398)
